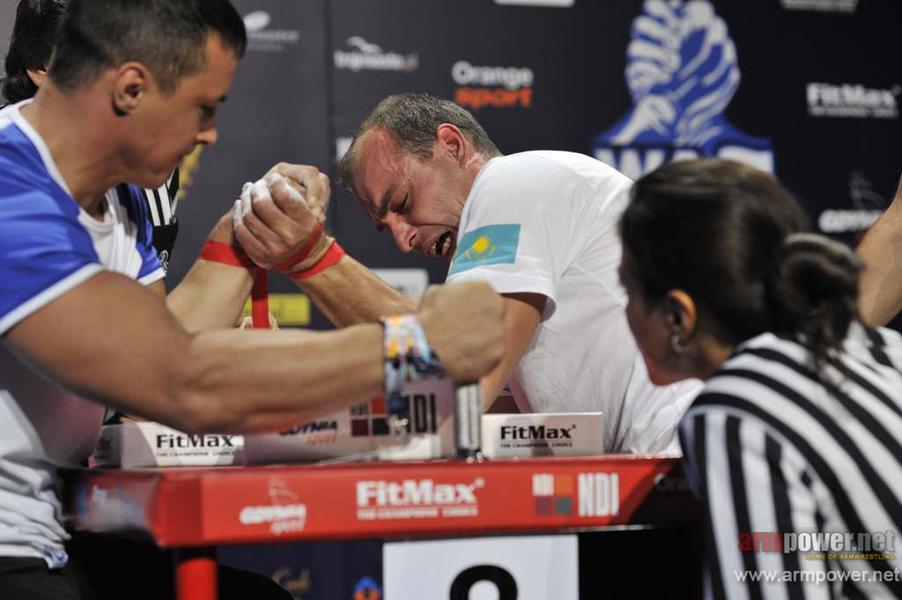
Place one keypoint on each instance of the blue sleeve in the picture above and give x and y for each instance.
(138, 211)
(44, 252)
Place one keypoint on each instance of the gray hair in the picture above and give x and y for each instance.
(412, 120)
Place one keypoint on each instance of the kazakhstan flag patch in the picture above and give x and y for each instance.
(489, 245)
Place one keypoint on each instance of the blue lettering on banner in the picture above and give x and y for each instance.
(682, 73)
(489, 245)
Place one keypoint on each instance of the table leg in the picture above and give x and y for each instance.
(195, 574)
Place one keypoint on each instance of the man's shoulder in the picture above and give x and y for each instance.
(538, 163)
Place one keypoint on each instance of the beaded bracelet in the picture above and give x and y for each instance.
(407, 357)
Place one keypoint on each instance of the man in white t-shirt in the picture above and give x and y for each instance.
(540, 227)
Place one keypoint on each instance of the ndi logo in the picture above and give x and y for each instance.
(682, 73)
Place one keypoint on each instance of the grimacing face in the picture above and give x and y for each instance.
(169, 127)
(419, 201)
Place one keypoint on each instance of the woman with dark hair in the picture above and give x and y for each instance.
(30, 49)
(799, 427)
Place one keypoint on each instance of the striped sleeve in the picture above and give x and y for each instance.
(750, 484)
(773, 447)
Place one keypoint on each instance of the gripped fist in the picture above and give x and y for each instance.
(278, 215)
(465, 327)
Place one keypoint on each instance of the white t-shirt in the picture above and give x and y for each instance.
(48, 246)
(546, 222)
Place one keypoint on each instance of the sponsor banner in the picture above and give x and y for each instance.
(289, 310)
(363, 430)
(864, 207)
(839, 6)
(682, 72)
(852, 101)
(483, 86)
(362, 55)
(148, 444)
(561, 434)
(523, 567)
(264, 36)
(216, 506)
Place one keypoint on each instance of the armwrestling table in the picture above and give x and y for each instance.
(193, 510)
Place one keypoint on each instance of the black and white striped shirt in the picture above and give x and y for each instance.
(162, 203)
(770, 449)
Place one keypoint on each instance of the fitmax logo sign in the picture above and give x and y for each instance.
(536, 432)
(417, 499)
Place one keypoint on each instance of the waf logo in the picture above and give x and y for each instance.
(418, 411)
(595, 494)
(487, 86)
(681, 73)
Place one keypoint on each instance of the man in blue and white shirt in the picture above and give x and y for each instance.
(123, 102)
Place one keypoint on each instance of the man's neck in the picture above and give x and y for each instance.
(80, 142)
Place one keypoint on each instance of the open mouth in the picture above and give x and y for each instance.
(442, 245)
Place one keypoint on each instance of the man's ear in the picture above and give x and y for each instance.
(37, 76)
(452, 142)
(132, 82)
(681, 313)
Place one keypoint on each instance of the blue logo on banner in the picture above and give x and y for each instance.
(367, 589)
(489, 245)
(682, 73)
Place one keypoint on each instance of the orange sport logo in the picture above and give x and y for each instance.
(491, 86)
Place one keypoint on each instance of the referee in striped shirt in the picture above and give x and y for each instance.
(31, 45)
(795, 444)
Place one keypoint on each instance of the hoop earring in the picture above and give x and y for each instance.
(678, 345)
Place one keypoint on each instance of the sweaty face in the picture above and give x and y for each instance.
(418, 201)
(168, 127)
(648, 325)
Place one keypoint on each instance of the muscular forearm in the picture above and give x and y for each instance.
(258, 380)
(881, 283)
(349, 293)
(210, 296)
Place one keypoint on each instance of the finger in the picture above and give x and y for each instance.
(260, 230)
(292, 225)
(245, 198)
(255, 250)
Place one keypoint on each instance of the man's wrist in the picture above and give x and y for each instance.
(325, 257)
(307, 254)
(226, 254)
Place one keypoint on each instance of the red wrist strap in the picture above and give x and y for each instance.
(334, 254)
(303, 253)
(225, 254)
(260, 300)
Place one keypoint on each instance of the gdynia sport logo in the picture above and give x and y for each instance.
(682, 73)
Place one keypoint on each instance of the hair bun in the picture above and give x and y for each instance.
(814, 289)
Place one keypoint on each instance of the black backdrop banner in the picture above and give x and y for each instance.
(809, 89)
